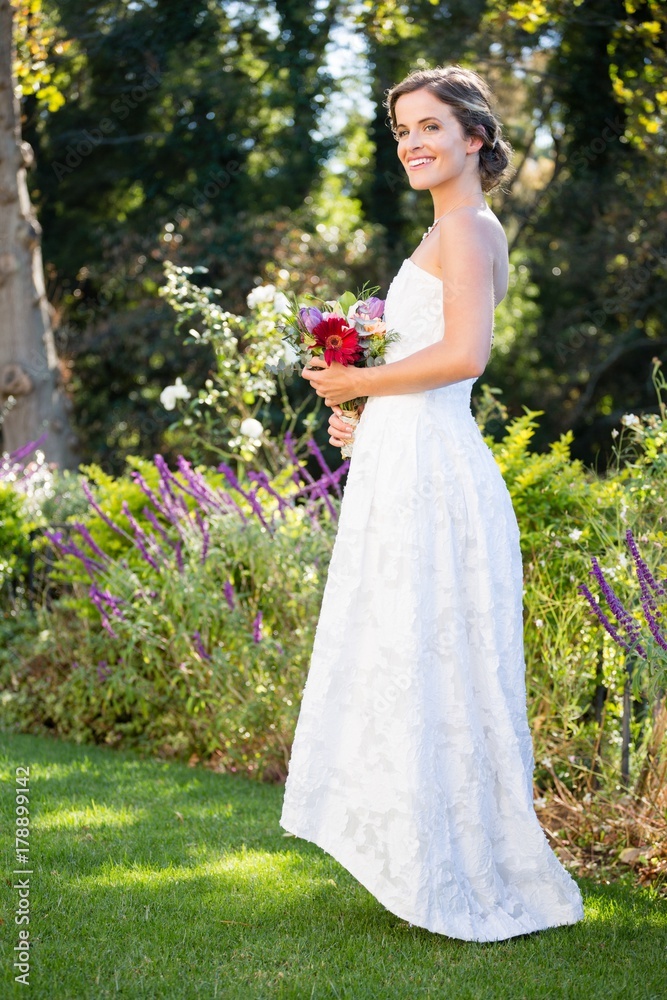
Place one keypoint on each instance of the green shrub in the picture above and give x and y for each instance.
(207, 623)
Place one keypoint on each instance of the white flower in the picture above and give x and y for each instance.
(171, 393)
(260, 294)
(614, 433)
(576, 534)
(539, 623)
(251, 428)
(281, 303)
(630, 420)
(290, 355)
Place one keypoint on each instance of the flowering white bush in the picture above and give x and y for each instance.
(226, 417)
(171, 393)
(251, 428)
(266, 295)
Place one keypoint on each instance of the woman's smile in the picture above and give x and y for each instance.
(419, 161)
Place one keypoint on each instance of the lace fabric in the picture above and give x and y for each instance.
(412, 758)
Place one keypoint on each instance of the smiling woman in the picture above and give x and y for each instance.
(412, 759)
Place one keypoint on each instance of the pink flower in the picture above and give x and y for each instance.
(366, 316)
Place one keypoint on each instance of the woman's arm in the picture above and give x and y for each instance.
(466, 259)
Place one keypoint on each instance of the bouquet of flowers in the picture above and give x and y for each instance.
(350, 330)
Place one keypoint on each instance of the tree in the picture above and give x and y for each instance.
(32, 394)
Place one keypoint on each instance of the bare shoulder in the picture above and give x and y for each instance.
(480, 229)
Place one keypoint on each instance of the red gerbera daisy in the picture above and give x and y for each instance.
(340, 341)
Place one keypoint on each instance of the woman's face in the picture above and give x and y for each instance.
(431, 144)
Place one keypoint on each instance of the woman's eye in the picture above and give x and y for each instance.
(431, 125)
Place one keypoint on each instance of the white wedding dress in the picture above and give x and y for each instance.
(412, 759)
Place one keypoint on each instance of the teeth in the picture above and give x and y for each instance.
(414, 163)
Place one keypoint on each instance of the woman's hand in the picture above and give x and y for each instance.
(340, 432)
(335, 382)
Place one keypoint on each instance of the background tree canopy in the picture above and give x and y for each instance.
(250, 138)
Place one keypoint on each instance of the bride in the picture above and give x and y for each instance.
(412, 759)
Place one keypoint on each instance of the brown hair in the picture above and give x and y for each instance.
(470, 99)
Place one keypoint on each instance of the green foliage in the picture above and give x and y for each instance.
(567, 514)
(15, 543)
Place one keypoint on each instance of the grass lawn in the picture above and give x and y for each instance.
(159, 880)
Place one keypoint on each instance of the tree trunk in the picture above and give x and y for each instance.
(32, 399)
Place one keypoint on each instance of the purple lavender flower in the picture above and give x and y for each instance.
(250, 497)
(103, 671)
(90, 541)
(257, 627)
(26, 449)
(262, 480)
(161, 508)
(103, 599)
(85, 486)
(229, 594)
(622, 615)
(641, 568)
(199, 488)
(151, 516)
(199, 646)
(205, 535)
(142, 540)
(289, 447)
(604, 621)
(92, 566)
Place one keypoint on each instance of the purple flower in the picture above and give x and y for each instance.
(289, 446)
(103, 671)
(199, 646)
(206, 538)
(375, 307)
(604, 621)
(262, 479)
(642, 569)
(98, 510)
(103, 599)
(229, 594)
(145, 488)
(309, 317)
(250, 497)
(26, 449)
(257, 627)
(622, 615)
(92, 566)
(143, 540)
(90, 541)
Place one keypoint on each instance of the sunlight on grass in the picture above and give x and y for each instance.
(265, 870)
(93, 816)
(602, 909)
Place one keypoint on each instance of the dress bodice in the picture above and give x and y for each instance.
(413, 307)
